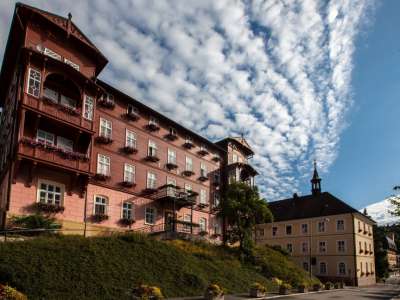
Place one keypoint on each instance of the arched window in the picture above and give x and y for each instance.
(100, 205)
(60, 90)
(342, 268)
(127, 211)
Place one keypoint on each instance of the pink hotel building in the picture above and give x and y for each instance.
(97, 159)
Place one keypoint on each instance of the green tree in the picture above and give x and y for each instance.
(241, 209)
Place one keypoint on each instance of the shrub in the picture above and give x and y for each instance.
(328, 285)
(36, 221)
(146, 292)
(258, 286)
(214, 290)
(284, 288)
(9, 293)
(276, 281)
(317, 286)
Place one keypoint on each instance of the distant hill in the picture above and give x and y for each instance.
(380, 212)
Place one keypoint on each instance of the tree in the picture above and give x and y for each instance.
(242, 208)
(395, 200)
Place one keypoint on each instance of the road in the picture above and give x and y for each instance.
(380, 292)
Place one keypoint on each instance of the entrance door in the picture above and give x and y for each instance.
(169, 221)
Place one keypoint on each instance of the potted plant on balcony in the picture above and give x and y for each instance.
(127, 221)
(129, 150)
(69, 110)
(147, 292)
(303, 288)
(49, 207)
(101, 177)
(328, 285)
(284, 288)
(257, 290)
(128, 184)
(98, 218)
(214, 292)
(103, 139)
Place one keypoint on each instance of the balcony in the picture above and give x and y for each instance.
(173, 194)
(171, 165)
(171, 135)
(172, 230)
(203, 176)
(203, 152)
(107, 101)
(152, 127)
(71, 160)
(216, 158)
(152, 156)
(188, 173)
(103, 140)
(129, 150)
(188, 144)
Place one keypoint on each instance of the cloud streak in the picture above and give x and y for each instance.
(278, 71)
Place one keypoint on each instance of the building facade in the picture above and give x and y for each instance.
(97, 159)
(323, 235)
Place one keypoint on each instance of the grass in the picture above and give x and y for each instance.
(73, 267)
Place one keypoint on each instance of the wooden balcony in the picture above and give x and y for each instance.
(173, 194)
(57, 111)
(31, 149)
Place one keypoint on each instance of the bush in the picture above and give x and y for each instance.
(36, 221)
(9, 293)
(258, 286)
(214, 290)
(328, 285)
(146, 292)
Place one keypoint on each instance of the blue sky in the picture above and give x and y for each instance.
(302, 79)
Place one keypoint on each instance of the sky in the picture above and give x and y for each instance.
(302, 80)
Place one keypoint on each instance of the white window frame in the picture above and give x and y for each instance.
(171, 159)
(51, 53)
(32, 75)
(103, 164)
(203, 169)
(88, 106)
(338, 247)
(203, 196)
(129, 173)
(47, 192)
(130, 139)
(65, 144)
(187, 218)
(105, 128)
(319, 228)
(125, 211)
(325, 247)
(188, 164)
(151, 181)
(131, 109)
(153, 121)
(188, 188)
(48, 139)
(71, 63)
(153, 215)
(95, 203)
(338, 269)
(152, 148)
(337, 225)
(326, 268)
(202, 224)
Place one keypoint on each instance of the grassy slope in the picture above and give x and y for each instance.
(72, 267)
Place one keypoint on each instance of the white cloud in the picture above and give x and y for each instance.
(279, 71)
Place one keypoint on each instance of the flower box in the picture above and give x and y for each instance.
(132, 116)
(171, 166)
(203, 178)
(302, 288)
(188, 145)
(128, 184)
(69, 110)
(187, 173)
(317, 287)
(103, 140)
(49, 208)
(284, 289)
(126, 222)
(216, 158)
(101, 177)
(129, 150)
(328, 285)
(106, 103)
(171, 136)
(98, 218)
(152, 158)
(257, 290)
(202, 152)
(152, 127)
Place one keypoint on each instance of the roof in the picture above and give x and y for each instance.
(240, 142)
(309, 206)
(154, 113)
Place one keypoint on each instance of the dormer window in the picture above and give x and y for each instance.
(107, 100)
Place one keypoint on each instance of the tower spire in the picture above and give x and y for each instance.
(315, 181)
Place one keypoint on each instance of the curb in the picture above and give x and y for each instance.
(295, 294)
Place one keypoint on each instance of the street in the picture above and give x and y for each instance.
(376, 292)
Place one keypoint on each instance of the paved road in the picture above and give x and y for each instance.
(379, 292)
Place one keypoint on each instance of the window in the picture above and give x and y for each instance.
(100, 205)
(67, 101)
(203, 197)
(108, 98)
(188, 188)
(105, 128)
(131, 110)
(203, 224)
(45, 137)
(304, 228)
(151, 180)
(127, 211)
(189, 164)
(260, 232)
(289, 248)
(360, 247)
(342, 268)
(34, 83)
(152, 150)
(304, 247)
(187, 218)
(172, 131)
(203, 148)
(72, 64)
(370, 248)
(52, 54)
(366, 267)
(129, 173)
(171, 190)
(322, 247)
(50, 193)
(130, 139)
(216, 199)
(203, 170)
(50, 94)
(234, 158)
(274, 231)
(88, 108)
(305, 266)
(188, 140)
(365, 246)
(359, 226)
(150, 215)
(288, 229)
(65, 144)
(322, 268)
(340, 225)
(103, 164)
(171, 157)
(153, 121)
(341, 246)
(321, 226)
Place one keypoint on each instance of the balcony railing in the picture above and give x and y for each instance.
(75, 160)
(59, 110)
(174, 226)
(171, 193)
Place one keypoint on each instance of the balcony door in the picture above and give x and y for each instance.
(169, 220)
